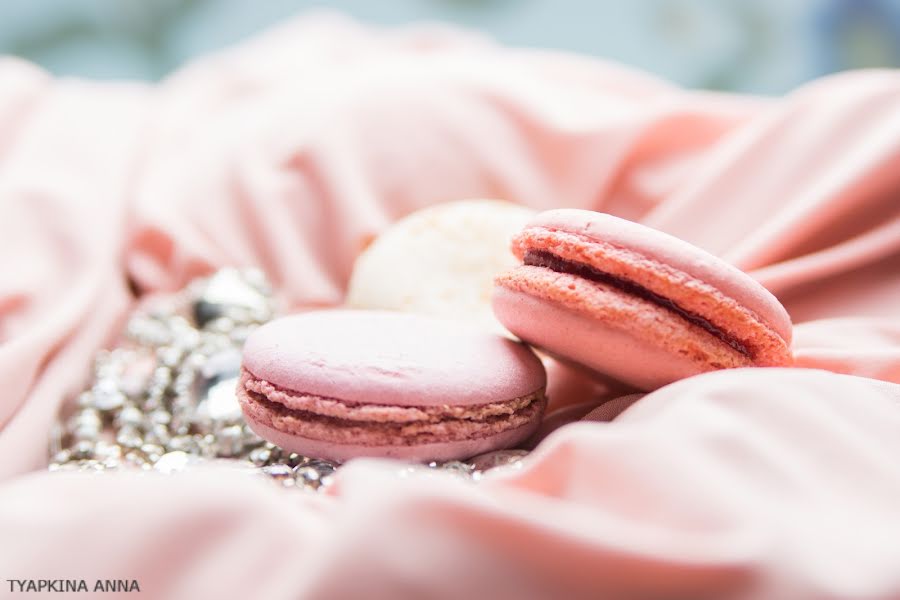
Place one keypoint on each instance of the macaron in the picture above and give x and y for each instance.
(634, 303)
(440, 261)
(340, 384)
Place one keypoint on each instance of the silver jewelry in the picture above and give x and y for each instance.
(163, 398)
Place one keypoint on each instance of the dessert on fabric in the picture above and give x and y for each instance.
(440, 261)
(634, 303)
(742, 483)
(339, 384)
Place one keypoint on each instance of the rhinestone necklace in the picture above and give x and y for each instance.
(163, 399)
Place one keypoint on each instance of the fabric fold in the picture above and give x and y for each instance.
(289, 152)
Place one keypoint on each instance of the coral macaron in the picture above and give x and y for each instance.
(634, 303)
(339, 384)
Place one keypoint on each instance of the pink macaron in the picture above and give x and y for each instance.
(634, 303)
(339, 384)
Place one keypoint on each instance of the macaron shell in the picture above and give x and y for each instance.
(439, 451)
(691, 295)
(358, 423)
(440, 261)
(676, 253)
(622, 336)
(381, 357)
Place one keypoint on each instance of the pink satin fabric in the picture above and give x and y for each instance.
(290, 151)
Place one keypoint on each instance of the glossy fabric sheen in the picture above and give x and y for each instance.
(292, 150)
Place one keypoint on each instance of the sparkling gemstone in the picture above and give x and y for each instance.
(136, 459)
(251, 440)
(229, 441)
(184, 382)
(217, 379)
(222, 365)
(160, 417)
(186, 337)
(169, 356)
(60, 457)
(108, 453)
(205, 312)
(220, 325)
(87, 417)
(179, 324)
(260, 456)
(456, 467)
(162, 377)
(145, 329)
(108, 363)
(499, 458)
(153, 452)
(174, 462)
(85, 400)
(195, 361)
(296, 460)
(129, 416)
(185, 443)
(82, 450)
(240, 333)
(228, 294)
(257, 279)
(85, 424)
(280, 473)
(181, 404)
(170, 388)
(324, 467)
(183, 416)
(158, 434)
(85, 434)
(308, 476)
(207, 445)
(213, 343)
(87, 465)
(221, 403)
(137, 372)
(277, 453)
(129, 437)
(154, 399)
(107, 395)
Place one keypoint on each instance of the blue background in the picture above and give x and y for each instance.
(762, 46)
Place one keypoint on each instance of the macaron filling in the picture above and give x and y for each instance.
(549, 260)
(335, 420)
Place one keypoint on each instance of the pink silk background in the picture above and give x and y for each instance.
(292, 150)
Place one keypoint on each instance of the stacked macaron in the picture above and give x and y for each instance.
(620, 299)
(440, 261)
(338, 384)
(634, 303)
